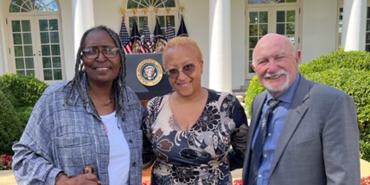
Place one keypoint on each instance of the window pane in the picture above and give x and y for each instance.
(280, 16)
(170, 3)
(44, 37)
(27, 39)
(263, 29)
(16, 26)
(263, 17)
(46, 62)
(30, 72)
(368, 25)
(368, 38)
(280, 29)
(26, 25)
(251, 54)
(368, 48)
(54, 37)
(45, 50)
(56, 62)
(253, 17)
(43, 25)
(17, 39)
(14, 8)
(28, 51)
(48, 74)
(252, 41)
(53, 24)
(290, 28)
(291, 16)
(19, 63)
(253, 30)
(170, 21)
(18, 50)
(57, 74)
(55, 50)
(21, 72)
(29, 63)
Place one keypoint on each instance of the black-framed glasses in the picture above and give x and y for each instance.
(187, 69)
(93, 52)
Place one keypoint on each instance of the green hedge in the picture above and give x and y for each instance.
(348, 71)
(18, 96)
(10, 127)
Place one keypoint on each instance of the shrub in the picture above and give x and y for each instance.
(25, 90)
(10, 126)
(348, 71)
(19, 95)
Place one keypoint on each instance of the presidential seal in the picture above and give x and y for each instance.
(149, 72)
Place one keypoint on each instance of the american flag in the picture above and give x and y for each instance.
(147, 41)
(170, 32)
(182, 32)
(123, 34)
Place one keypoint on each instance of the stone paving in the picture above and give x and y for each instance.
(7, 178)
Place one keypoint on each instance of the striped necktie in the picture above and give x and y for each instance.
(257, 150)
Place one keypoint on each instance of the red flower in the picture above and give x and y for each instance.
(365, 181)
(5, 161)
(238, 182)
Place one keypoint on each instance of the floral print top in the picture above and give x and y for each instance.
(205, 153)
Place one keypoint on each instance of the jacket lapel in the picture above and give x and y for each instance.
(295, 114)
(256, 111)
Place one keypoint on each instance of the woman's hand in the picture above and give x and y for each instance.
(84, 179)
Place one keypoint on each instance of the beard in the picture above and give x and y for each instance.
(281, 88)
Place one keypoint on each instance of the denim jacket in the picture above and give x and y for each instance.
(61, 137)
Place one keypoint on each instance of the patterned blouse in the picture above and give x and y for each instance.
(205, 153)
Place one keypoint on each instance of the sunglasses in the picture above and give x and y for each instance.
(93, 52)
(187, 69)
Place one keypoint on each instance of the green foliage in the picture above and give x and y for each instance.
(254, 88)
(365, 149)
(19, 95)
(348, 71)
(25, 90)
(10, 128)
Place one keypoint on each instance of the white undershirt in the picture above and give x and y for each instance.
(119, 152)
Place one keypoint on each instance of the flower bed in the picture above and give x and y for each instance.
(365, 181)
(5, 162)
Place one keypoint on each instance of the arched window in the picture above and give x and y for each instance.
(145, 12)
(33, 5)
(35, 40)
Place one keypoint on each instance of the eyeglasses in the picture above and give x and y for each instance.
(187, 69)
(93, 52)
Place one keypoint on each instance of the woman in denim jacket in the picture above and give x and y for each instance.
(93, 122)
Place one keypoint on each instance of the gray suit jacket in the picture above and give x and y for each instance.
(319, 143)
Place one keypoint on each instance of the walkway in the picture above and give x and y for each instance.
(7, 178)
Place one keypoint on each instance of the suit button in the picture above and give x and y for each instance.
(133, 164)
(130, 141)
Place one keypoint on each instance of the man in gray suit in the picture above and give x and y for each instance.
(301, 133)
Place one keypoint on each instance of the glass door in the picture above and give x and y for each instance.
(49, 49)
(23, 53)
(270, 17)
(36, 48)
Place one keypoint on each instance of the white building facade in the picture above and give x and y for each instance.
(39, 37)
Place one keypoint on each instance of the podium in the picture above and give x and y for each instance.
(145, 75)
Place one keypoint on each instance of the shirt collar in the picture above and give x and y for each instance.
(288, 95)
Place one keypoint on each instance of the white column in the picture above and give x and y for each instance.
(83, 19)
(354, 22)
(220, 45)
